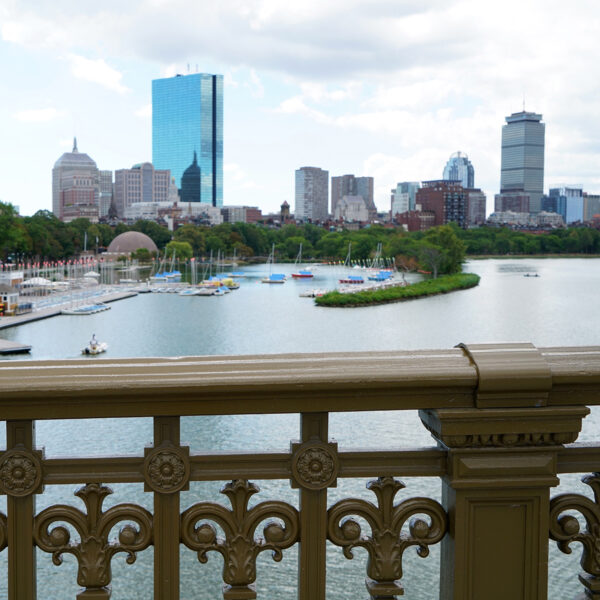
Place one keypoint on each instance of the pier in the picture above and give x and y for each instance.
(8, 347)
(52, 311)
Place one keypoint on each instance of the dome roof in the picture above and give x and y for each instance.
(130, 241)
(75, 159)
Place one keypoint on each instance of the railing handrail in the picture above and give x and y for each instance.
(279, 383)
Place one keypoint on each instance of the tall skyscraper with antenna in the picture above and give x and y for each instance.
(187, 120)
(522, 169)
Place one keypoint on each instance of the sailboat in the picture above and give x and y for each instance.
(305, 273)
(273, 277)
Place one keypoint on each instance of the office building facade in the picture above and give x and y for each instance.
(567, 202)
(187, 118)
(447, 200)
(311, 194)
(140, 184)
(406, 187)
(591, 206)
(522, 168)
(459, 168)
(75, 186)
(349, 185)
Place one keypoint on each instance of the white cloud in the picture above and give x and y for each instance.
(97, 71)
(38, 115)
(236, 178)
(256, 87)
(144, 112)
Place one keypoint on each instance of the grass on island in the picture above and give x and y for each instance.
(429, 287)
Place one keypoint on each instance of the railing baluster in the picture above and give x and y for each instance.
(166, 518)
(20, 440)
(313, 518)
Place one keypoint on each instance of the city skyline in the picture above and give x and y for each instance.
(392, 100)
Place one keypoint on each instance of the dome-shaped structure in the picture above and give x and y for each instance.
(75, 159)
(130, 241)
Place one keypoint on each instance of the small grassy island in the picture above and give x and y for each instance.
(429, 287)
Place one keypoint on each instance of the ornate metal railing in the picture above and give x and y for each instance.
(505, 417)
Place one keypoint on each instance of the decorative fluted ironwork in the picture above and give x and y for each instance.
(94, 551)
(565, 529)
(239, 548)
(387, 542)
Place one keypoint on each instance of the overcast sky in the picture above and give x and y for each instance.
(383, 88)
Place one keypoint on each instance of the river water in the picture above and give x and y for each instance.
(558, 308)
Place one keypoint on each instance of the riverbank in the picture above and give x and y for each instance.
(52, 311)
(526, 256)
(429, 287)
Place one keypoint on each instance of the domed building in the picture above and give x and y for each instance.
(75, 186)
(129, 242)
(191, 183)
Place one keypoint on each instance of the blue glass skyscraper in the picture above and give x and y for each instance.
(187, 118)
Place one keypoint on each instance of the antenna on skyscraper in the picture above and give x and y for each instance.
(523, 101)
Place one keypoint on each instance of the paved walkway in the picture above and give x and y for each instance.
(52, 311)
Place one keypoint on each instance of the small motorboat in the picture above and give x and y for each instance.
(95, 347)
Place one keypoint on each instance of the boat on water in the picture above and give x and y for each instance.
(88, 309)
(95, 347)
(531, 275)
(316, 293)
(353, 279)
(304, 273)
(382, 275)
(273, 277)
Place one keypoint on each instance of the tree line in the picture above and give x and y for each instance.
(441, 249)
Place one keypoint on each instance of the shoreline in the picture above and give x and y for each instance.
(526, 256)
(442, 285)
(53, 311)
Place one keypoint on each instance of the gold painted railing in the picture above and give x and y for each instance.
(505, 418)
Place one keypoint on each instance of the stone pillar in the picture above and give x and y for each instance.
(502, 462)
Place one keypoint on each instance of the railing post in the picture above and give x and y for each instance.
(314, 468)
(20, 471)
(502, 461)
(166, 471)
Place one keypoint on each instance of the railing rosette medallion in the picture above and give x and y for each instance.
(20, 472)
(94, 551)
(387, 542)
(240, 547)
(565, 529)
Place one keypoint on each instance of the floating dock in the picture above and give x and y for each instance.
(45, 313)
(7, 347)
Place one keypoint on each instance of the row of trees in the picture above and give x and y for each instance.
(43, 237)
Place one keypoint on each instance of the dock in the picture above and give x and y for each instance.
(7, 347)
(52, 311)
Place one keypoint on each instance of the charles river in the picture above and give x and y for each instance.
(558, 308)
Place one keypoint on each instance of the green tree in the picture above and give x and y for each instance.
(453, 248)
(182, 250)
(13, 235)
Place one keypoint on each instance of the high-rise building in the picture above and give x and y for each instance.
(459, 168)
(522, 169)
(567, 201)
(106, 192)
(75, 186)
(349, 185)
(140, 184)
(476, 203)
(591, 206)
(312, 194)
(513, 202)
(187, 117)
(447, 200)
(405, 187)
